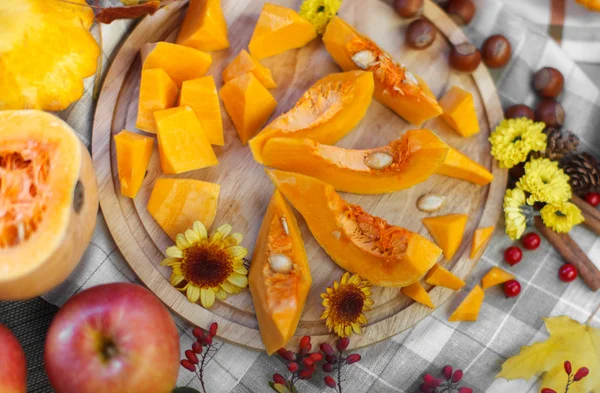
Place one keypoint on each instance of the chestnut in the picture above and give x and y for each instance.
(548, 82)
(550, 112)
(465, 57)
(496, 51)
(420, 34)
(408, 8)
(520, 110)
(461, 11)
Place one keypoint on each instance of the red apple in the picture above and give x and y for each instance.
(13, 367)
(113, 338)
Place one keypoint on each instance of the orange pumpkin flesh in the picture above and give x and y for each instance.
(447, 231)
(204, 26)
(381, 253)
(459, 166)
(243, 63)
(279, 297)
(495, 276)
(326, 112)
(414, 157)
(468, 309)
(443, 278)
(416, 292)
(459, 111)
(201, 95)
(157, 92)
(48, 202)
(180, 62)
(480, 239)
(133, 155)
(404, 93)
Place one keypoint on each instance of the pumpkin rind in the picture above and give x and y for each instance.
(133, 155)
(59, 31)
(243, 63)
(358, 242)
(460, 166)
(447, 231)
(57, 223)
(180, 62)
(414, 158)
(279, 297)
(201, 95)
(204, 26)
(468, 309)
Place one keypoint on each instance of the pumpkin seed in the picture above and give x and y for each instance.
(363, 59)
(379, 160)
(280, 263)
(285, 226)
(430, 202)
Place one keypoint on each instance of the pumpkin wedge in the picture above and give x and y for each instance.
(447, 231)
(180, 62)
(468, 310)
(243, 63)
(279, 276)
(358, 242)
(133, 155)
(495, 276)
(416, 292)
(459, 166)
(480, 239)
(395, 87)
(279, 29)
(201, 95)
(48, 202)
(401, 164)
(326, 112)
(157, 92)
(204, 26)
(459, 111)
(443, 278)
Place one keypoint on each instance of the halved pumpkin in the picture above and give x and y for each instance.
(243, 63)
(201, 95)
(447, 231)
(381, 253)
(204, 26)
(133, 155)
(459, 166)
(279, 275)
(326, 112)
(480, 240)
(416, 292)
(401, 164)
(468, 309)
(443, 278)
(395, 87)
(180, 62)
(48, 202)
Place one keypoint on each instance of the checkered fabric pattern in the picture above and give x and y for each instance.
(398, 364)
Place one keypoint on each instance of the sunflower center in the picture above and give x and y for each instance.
(206, 265)
(347, 303)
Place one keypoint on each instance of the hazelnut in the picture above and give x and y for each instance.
(465, 57)
(408, 8)
(420, 34)
(520, 110)
(461, 11)
(550, 112)
(548, 82)
(496, 51)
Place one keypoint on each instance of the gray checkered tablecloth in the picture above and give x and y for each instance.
(397, 365)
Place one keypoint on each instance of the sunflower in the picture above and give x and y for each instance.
(345, 303)
(207, 267)
(561, 217)
(319, 12)
(514, 139)
(516, 213)
(545, 181)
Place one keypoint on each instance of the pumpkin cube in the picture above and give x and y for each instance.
(182, 143)
(201, 95)
(157, 92)
(480, 240)
(204, 26)
(176, 203)
(495, 276)
(417, 293)
(459, 111)
(459, 166)
(443, 278)
(180, 62)
(248, 103)
(243, 63)
(447, 231)
(133, 155)
(468, 310)
(279, 29)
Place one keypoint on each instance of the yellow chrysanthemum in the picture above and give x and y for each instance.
(207, 267)
(514, 139)
(545, 181)
(319, 12)
(514, 213)
(561, 217)
(345, 303)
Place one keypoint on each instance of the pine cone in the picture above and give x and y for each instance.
(584, 171)
(560, 143)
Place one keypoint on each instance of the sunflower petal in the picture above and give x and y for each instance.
(228, 287)
(241, 270)
(171, 261)
(193, 293)
(200, 229)
(176, 279)
(192, 236)
(356, 328)
(182, 242)
(174, 252)
(234, 239)
(238, 280)
(207, 297)
(221, 294)
(237, 251)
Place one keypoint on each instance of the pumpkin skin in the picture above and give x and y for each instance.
(62, 203)
(354, 238)
(415, 156)
(279, 298)
(67, 53)
(326, 112)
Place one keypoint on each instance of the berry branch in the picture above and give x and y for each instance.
(301, 365)
(451, 383)
(334, 362)
(203, 340)
(571, 378)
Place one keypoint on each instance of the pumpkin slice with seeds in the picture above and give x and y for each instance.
(403, 163)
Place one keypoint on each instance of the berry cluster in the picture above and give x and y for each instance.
(301, 365)
(334, 362)
(450, 382)
(572, 378)
(202, 346)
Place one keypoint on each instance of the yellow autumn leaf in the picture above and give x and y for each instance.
(569, 340)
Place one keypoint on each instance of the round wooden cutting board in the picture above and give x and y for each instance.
(246, 190)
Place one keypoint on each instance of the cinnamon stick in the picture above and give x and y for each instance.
(570, 251)
(590, 213)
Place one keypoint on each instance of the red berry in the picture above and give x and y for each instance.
(213, 329)
(457, 376)
(316, 357)
(342, 344)
(331, 359)
(188, 365)
(207, 340)
(447, 370)
(329, 381)
(198, 333)
(191, 356)
(428, 379)
(327, 349)
(531, 241)
(581, 373)
(305, 374)
(568, 367)
(427, 389)
(567, 272)
(353, 358)
(293, 367)
(305, 341)
(282, 352)
(278, 378)
(513, 255)
(548, 390)
(593, 198)
(197, 347)
(307, 362)
(465, 390)
(512, 288)
(327, 367)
